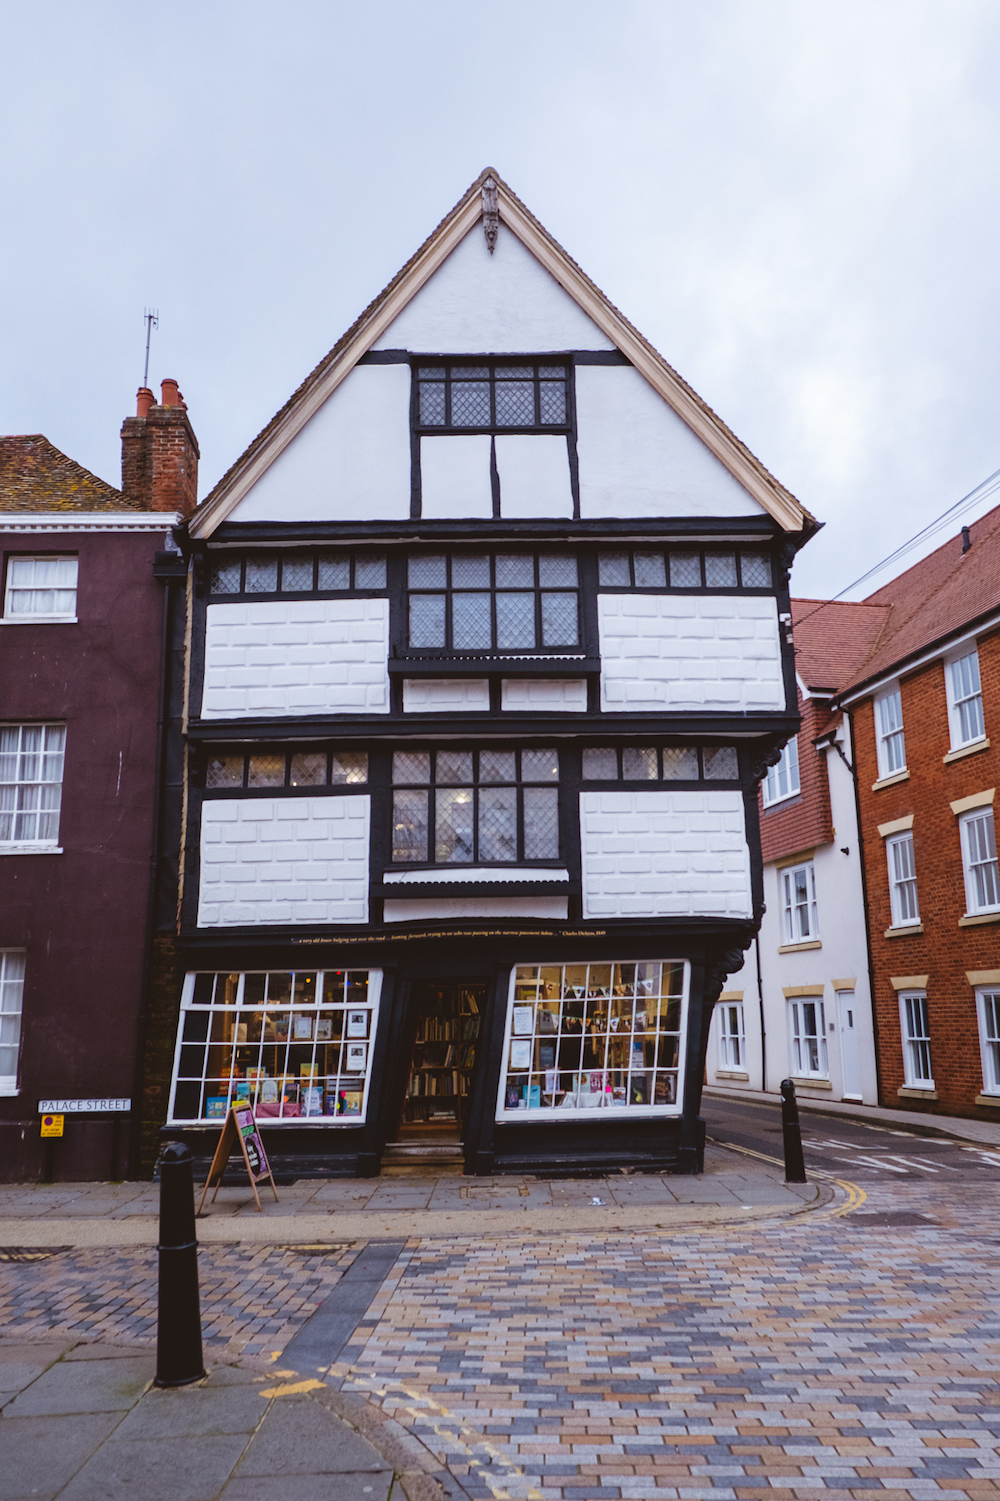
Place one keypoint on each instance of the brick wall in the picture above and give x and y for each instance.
(802, 822)
(944, 951)
(664, 854)
(284, 860)
(675, 651)
(300, 657)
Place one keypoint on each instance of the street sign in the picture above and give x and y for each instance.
(52, 1125)
(98, 1105)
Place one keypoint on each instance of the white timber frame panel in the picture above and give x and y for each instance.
(533, 469)
(689, 651)
(300, 657)
(544, 695)
(284, 860)
(664, 854)
(446, 695)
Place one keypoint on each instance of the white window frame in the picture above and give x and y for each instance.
(800, 1037)
(889, 734)
(965, 693)
(791, 910)
(782, 780)
(902, 880)
(11, 1011)
(332, 997)
(732, 1036)
(15, 589)
(977, 832)
(988, 1011)
(18, 792)
(522, 1096)
(915, 1036)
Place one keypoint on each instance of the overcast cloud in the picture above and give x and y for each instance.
(795, 201)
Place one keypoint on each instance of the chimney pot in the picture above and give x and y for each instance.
(171, 395)
(966, 540)
(143, 401)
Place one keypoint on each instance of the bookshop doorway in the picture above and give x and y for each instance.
(444, 1028)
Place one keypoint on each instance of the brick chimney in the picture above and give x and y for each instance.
(160, 452)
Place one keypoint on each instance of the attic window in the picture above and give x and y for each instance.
(492, 396)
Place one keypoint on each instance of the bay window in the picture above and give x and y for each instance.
(455, 807)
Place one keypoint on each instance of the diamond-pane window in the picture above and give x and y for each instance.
(541, 823)
(515, 403)
(680, 763)
(720, 570)
(559, 621)
(721, 762)
(409, 825)
(427, 571)
(266, 771)
(515, 570)
(475, 602)
(496, 396)
(470, 572)
(432, 404)
(649, 570)
(297, 575)
(639, 763)
(613, 570)
(262, 575)
(552, 403)
(224, 771)
(427, 620)
(453, 825)
(334, 571)
(308, 769)
(498, 823)
(515, 620)
(226, 576)
(539, 766)
(470, 404)
(369, 570)
(478, 807)
(497, 766)
(471, 622)
(755, 568)
(557, 569)
(685, 570)
(411, 766)
(348, 767)
(453, 766)
(600, 764)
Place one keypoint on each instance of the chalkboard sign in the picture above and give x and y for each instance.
(241, 1129)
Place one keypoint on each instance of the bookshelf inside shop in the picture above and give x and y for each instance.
(444, 1051)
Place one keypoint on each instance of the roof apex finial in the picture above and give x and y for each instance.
(491, 213)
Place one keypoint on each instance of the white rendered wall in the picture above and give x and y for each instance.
(300, 657)
(351, 461)
(284, 860)
(445, 695)
(664, 854)
(534, 476)
(638, 458)
(843, 956)
(552, 908)
(505, 303)
(689, 651)
(544, 695)
(455, 477)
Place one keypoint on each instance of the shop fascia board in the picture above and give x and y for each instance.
(775, 500)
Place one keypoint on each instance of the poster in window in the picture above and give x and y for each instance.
(303, 1029)
(520, 1054)
(357, 1023)
(523, 1021)
(324, 1028)
(349, 1102)
(357, 1057)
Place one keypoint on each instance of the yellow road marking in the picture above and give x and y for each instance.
(293, 1388)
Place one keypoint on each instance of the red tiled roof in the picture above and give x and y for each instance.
(36, 476)
(833, 639)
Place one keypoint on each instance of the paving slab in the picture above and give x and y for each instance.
(39, 1455)
(194, 1411)
(157, 1469)
(366, 1486)
(299, 1437)
(84, 1386)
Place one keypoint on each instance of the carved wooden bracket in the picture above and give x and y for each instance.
(491, 214)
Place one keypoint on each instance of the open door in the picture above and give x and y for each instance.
(444, 1026)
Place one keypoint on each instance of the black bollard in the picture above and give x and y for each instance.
(178, 1329)
(795, 1168)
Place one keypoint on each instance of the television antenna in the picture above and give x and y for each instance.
(152, 320)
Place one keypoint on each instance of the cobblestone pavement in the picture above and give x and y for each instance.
(827, 1355)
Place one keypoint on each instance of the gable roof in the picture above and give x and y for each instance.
(407, 282)
(37, 476)
(833, 639)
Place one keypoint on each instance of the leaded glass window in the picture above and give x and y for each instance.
(505, 601)
(494, 396)
(466, 807)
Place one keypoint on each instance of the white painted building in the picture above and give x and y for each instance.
(486, 649)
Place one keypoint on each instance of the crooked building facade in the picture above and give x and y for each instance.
(480, 652)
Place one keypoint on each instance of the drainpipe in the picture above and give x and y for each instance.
(852, 767)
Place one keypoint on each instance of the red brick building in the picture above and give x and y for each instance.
(924, 708)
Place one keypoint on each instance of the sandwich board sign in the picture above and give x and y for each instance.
(241, 1129)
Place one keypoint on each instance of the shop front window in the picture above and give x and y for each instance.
(291, 1044)
(585, 1037)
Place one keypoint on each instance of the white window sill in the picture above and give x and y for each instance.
(777, 801)
(811, 1083)
(961, 751)
(890, 781)
(974, 919)
(904, 930)
(988, 1099)
(31, 849)
(917, 1092)
(39, 620)
(737, 1073)
(799, 948)
(9, 1091)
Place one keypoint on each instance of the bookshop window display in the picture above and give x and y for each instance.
(585, 1037)
(293, 1045)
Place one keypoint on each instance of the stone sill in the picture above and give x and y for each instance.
(31, 849)
(897, 776)
(732, 1073)
(905, 930)
(909, 1092)
(39, 620)
(966, 750)
(811, 1083)
(992, 1100)
(798, 948)
(977, 919)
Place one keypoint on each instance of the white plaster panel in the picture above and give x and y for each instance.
(638, 458)
(284, 860)
(445, 695)
(549, 695)
(455, 477)
(689, 651)
(505, 303)
(534, 476)
(350, 462)
(664, 854)
(554, 908)
(323, 656)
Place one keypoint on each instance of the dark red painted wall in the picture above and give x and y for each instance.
(81, 915)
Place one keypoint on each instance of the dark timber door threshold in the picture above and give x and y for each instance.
(424, 1157)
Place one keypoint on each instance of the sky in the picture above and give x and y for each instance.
(795, 202)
